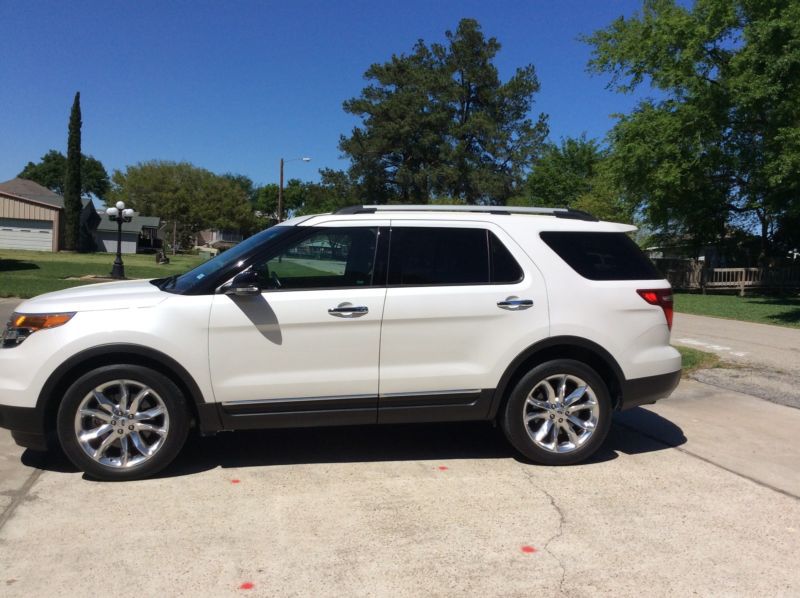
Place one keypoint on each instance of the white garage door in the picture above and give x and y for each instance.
(26, 234)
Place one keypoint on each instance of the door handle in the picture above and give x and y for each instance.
(348, 310)
(515, 303)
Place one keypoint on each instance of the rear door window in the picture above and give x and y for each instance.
(425, 256)
(601, 256)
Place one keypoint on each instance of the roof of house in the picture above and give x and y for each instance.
(34, 191)
(136, 224)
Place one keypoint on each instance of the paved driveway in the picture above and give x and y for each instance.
(698, 494)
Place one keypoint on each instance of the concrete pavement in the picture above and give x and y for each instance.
(680, 501)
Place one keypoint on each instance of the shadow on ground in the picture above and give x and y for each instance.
(412, 442)
(792, 305)
(15, 265)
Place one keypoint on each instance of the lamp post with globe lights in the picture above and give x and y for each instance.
(119, 214)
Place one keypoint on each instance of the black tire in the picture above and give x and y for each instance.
(173, 440)
(516, 430)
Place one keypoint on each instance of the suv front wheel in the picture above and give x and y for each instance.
(559, 413)
(122, 422)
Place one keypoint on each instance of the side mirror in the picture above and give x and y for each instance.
(244, 283)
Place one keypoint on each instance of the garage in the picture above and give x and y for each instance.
(29, 216)
(36, 235)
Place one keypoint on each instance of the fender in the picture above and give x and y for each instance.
(208, 419)
(543, 347)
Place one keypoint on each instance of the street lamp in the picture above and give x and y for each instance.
(280, 187)
(119, 214)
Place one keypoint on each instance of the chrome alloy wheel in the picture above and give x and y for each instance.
(121, 423)
(561, 413)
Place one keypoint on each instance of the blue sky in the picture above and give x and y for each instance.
(233, 86)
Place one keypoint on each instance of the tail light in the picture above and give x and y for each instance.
(660, 297)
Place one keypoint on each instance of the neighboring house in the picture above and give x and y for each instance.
(140, 233)
(32, 217)
(218, 238)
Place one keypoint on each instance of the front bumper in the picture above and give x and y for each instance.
(26, 425)
(647, 390)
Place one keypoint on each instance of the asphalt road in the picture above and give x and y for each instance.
(698, 494)
(758, 359)
(744, 343)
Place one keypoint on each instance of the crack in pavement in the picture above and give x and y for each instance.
(19, 496)
(562, 521)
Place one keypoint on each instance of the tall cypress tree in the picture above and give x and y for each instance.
(72, 180)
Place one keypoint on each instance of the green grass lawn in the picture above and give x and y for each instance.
(29, 273)
(692, 359)
(783, 311)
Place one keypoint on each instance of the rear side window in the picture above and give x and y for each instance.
(505, 268)
(449, 256)
(602, 256)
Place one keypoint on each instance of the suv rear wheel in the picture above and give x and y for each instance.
(559, 413)
(122, 422)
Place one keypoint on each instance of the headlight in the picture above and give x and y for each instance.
(21, 326)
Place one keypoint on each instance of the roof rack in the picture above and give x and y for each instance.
(503, 210)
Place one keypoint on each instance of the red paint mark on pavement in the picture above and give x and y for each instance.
(235, 481)
(443, 468)
(528, 549)
(246, 585)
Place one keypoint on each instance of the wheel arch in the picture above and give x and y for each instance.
(205, 414)
(561, 347)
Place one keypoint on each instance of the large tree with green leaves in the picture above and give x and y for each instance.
(189, 199)
(575, 174)
(720, 147)
(440, 122)
(72, 178)
(51, 170)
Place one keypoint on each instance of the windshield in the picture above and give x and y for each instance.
(184, 283)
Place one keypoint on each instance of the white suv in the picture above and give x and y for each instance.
(544, 320)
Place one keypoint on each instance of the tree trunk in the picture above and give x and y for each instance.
(174, 237)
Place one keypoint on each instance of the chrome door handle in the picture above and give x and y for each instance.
(515, 303)
(348, 310)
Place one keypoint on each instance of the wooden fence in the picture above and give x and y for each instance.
(693, 277)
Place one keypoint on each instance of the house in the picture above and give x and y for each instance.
(32, 217)
(219, 239)
(140, 233)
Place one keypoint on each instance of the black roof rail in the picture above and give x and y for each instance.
(504, 210)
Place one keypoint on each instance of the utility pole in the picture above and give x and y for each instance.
(280, 195)
(280, 186)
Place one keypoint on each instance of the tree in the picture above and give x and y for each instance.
(72, 178)
(245, 183)
(439, 122)
(188, 198)
(575, 174)
(721, 149)
(564, 172)
(51, 170)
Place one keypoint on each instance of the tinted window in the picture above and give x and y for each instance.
(430, 256)
(602, 256)
(329, 257)
(505, 268)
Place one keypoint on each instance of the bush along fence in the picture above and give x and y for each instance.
(690, 275)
